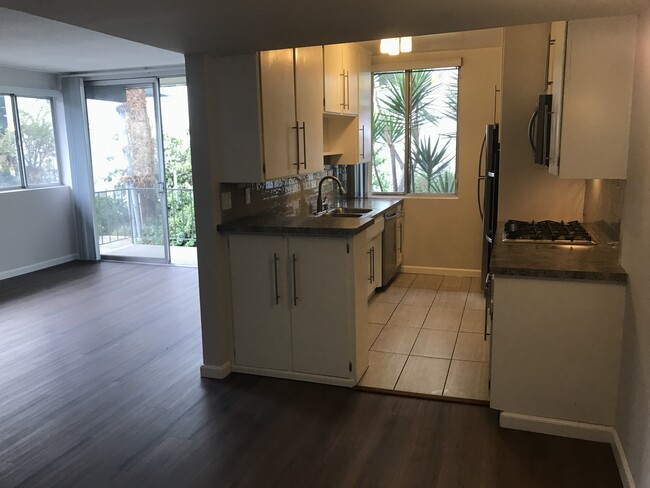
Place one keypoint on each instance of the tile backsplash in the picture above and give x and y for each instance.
(604, 205)
(287, 196)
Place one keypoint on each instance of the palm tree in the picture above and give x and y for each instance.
(392, 102)
(429, 161)
(444, 183)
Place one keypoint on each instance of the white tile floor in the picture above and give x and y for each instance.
(426, 337)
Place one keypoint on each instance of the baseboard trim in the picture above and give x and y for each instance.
(216, 372)
(621, 461)
(575, 430)
(562, 428)
(38, 266)
(468, 273)
(291, 375)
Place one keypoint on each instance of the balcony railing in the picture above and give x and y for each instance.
(134, 214)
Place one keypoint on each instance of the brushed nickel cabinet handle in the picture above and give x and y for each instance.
(347, 81)
(295, 285)
(363, 142)
(275, 271)
(304, 144)
(297, 163)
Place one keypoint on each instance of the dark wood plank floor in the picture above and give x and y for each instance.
(100, 386)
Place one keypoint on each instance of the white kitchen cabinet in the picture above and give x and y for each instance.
(270, 118)
(373, 274)
(348, 138)
(374, 255)
(260, 299)
(592, 75)
(341, 79)
(312, 289)
(556, 348)
(365, 107)
(322, 315)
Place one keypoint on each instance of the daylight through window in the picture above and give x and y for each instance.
(28, 154)
(415, 120)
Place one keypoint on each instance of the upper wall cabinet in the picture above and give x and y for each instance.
(592, 74)
(348, 139)
(270, 120)
(341, 79)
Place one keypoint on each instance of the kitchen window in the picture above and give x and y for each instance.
(415, 121)
(28, 155)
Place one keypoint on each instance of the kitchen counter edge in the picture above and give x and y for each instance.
(312, 225)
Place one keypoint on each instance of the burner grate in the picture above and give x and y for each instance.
(547, 231)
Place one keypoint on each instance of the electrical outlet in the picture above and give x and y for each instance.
(248, 196)
(226, 201)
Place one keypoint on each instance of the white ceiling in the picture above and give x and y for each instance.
(235, 26)
(31, 42)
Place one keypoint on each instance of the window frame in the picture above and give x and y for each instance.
(24, 184)
(403, 68)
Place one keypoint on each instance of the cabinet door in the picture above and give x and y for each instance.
(597, 98)
(309, 107)
(322, 313)
(373, 260)
(365, 108)
(333, 77)
(351, 85)
(280, 132)
(261, 315)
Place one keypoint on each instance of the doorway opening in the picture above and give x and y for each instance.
(140, 152)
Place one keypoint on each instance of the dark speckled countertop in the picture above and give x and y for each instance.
(312, 225)
(599, 262)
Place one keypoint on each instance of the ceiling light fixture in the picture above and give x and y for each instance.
(395, 45)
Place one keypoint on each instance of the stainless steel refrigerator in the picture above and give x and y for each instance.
(488, 199)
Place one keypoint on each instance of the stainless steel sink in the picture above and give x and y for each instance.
(346, 212)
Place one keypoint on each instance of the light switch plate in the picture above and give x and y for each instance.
(226, 201)
(248, 196)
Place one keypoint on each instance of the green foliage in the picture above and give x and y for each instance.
(39, 146)
(180, 196)
(444, 183)
(451, 99)
(429, 161)
(392, 106)
(112, 213)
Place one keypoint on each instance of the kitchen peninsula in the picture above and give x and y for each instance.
(299, 292)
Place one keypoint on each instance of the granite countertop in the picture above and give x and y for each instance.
(599, 262)
(311, 224)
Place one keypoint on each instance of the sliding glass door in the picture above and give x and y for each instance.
(128, 170)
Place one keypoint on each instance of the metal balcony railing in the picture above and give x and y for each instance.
(134, 214)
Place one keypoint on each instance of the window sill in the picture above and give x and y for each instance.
(412, 196)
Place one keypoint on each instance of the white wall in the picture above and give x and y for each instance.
(633, 417)
(37, 225)
(212, 251)
(528, 191)
(15, 77)
(37, 230)
(445, 232)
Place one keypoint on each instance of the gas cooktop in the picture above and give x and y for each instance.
(547, 232)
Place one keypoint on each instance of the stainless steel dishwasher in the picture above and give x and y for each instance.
(391, 244)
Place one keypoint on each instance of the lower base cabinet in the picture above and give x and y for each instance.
(556, 348)
(297, 307)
